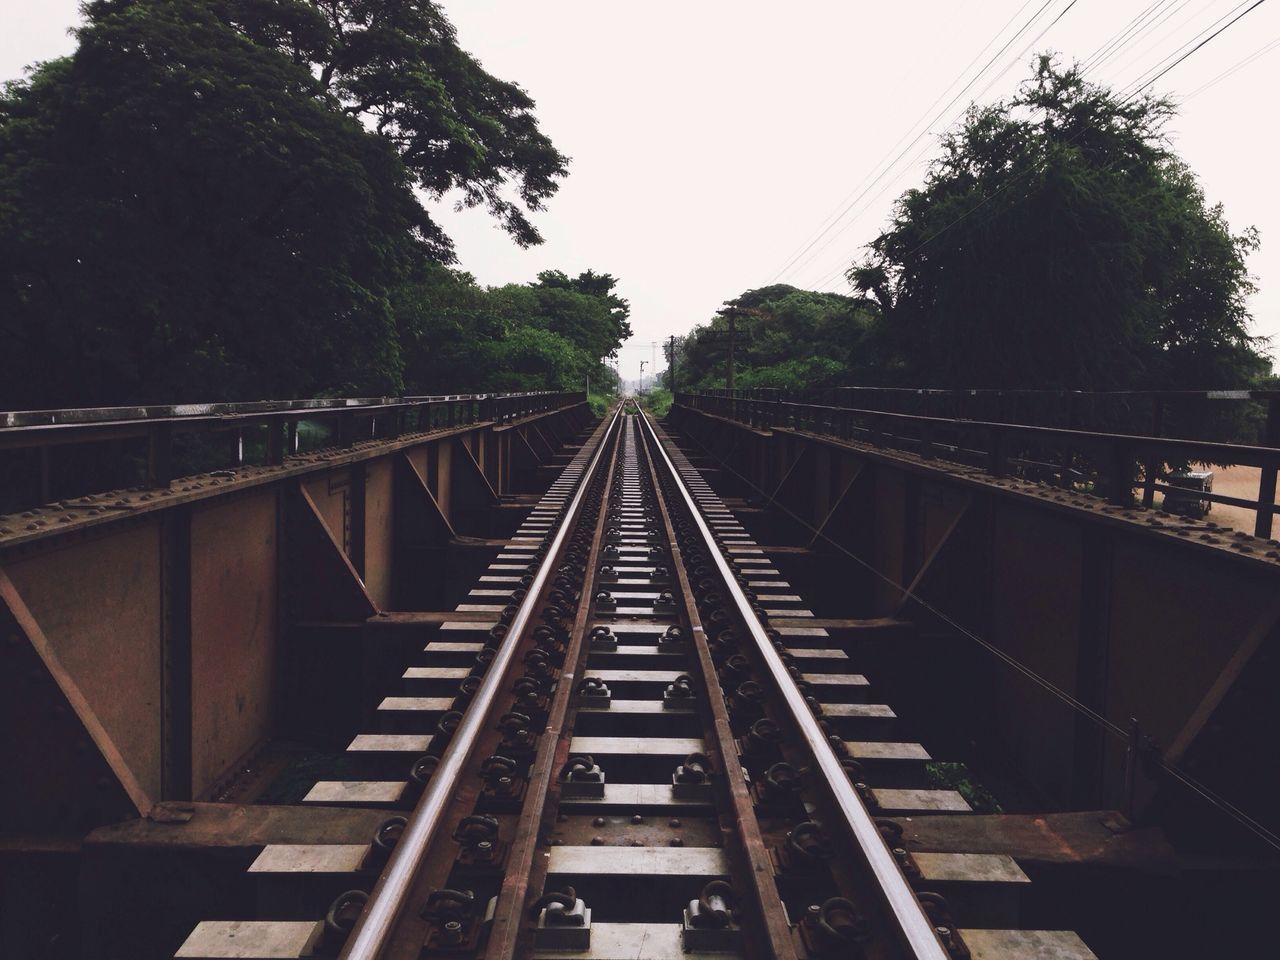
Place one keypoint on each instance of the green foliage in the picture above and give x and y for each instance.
(789, 338)
(599, 403)
(458, 336)
(397, 67)
(583, 309)
(956, 776)
(1057, 243)
(1060, 243)
(180, 217)
(657, 400)
(214, 199)
(798, 371)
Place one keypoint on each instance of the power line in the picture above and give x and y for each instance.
(1233, 70)
(926, 143)
(1108, 48)
(1126, 98)
(1137, 86)
(860, 193)
(840, 270)
(1149, 28)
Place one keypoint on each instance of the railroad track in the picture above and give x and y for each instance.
(631, 745)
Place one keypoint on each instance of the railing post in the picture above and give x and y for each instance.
(1267, 477)
(346, 429)
(275, 443)
(160, 456)
(1131, 769)
(1150, 466)
(996, 465)
(1266, 503)
(1120, 479)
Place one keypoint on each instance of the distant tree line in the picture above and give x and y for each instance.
(219, 200)
(1057, 243)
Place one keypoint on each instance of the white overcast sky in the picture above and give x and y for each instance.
(711, 140)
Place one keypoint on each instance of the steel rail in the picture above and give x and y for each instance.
(771, 914)
(553, 750)
(373, 930)
(914, 926)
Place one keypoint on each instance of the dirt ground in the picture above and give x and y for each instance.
(1235, 482)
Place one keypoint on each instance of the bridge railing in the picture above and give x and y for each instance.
(1107, 462)
(117, 447)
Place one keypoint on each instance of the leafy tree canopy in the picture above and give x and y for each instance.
(785, 338)
(397, 65)
(215, 199)
(180, 216)
(460, 336)
(1059, 242)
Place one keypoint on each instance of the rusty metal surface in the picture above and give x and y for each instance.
(204, 826)
(82, 513)
(163, 609)
(98, 603)
(234, 633)
(1183, 533)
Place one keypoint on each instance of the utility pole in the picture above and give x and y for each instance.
(671, 363)
(731, 315)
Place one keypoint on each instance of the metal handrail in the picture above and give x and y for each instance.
(1214, 451)
(150, 455)
(1115, 453)
(915, 927)
(1243, 393)
(36, 421)
(374, 928)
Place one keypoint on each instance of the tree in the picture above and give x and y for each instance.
(214, 199)
(398, 66)
(584, 309)
(530, 358)
(785, 338)
(181, 217)
(1059, 242)
(459, 336)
